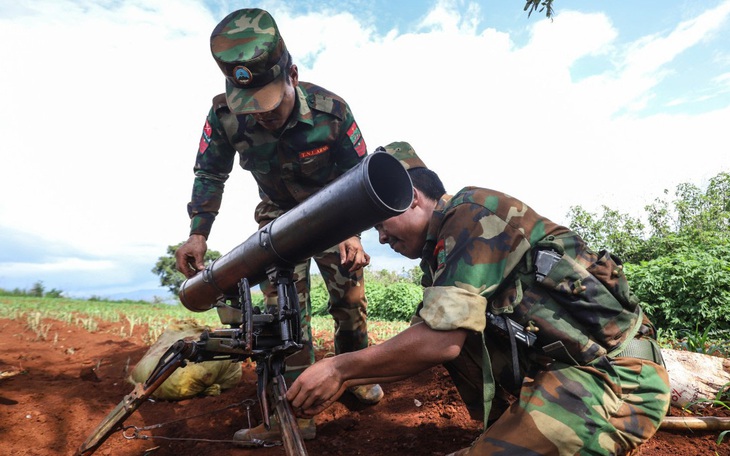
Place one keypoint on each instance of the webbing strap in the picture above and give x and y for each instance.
(489, 388)
(643, 349)
(513, 349)
(630, 334)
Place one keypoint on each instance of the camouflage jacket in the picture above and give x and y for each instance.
(319, 143)
(479, 255)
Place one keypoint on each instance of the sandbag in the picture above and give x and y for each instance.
(695, 377)
(208, 378)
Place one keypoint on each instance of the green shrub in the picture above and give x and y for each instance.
(374, 291)
(319, 296)
(388, 299)
(685, 289)
(397, 302)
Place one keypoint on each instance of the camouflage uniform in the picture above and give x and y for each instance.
(317, 144)
(581, 388)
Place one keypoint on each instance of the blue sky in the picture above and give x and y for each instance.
(102, 105)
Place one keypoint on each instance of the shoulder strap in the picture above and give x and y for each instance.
(219, 101)
(323, 100)
(229, 121)
(489, 389)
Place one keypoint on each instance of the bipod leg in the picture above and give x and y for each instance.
(173, 358)
(291, 436)
(262, 385)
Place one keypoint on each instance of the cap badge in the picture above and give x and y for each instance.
(242, 75)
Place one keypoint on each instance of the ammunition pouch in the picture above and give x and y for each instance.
(590, 293)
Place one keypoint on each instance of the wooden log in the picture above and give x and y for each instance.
(695, 423)
(695, 377)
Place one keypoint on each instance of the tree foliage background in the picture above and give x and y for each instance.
(391, 296)
(676, 256)
(678, 260)
(165, 267)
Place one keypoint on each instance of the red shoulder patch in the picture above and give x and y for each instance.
(205, 137)
(356, 139)
(440, 254)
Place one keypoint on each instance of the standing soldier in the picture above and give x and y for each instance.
(295, 138)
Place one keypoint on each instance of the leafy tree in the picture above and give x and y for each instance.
(54, 293)
(383, 276)
(414, 275)
(165, 267)
(37, 290)
(680, 268)
(694, 213)
(540, 6)
(686, 279)
(614, 231)
(386, 276)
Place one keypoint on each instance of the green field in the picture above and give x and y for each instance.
(131, 318)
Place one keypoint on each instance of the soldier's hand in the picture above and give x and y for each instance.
(189, 258)
(318, 387)
(352, 254)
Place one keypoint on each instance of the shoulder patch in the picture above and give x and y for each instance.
(440, 254)
(205, 137)
(356, 139)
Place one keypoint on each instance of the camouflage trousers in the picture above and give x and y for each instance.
(347, 303)
(609, 407)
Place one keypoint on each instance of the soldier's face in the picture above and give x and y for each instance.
(276, 118)
(404, 233)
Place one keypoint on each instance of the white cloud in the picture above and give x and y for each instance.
(101, 112)
(59, 265)
(102, 117)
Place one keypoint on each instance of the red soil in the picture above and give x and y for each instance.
(53, 394)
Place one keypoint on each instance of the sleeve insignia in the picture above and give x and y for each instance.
(439, 252)
(356, 139)
(205, 137)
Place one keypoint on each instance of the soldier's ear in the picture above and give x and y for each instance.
(294, 75)
(416, 197)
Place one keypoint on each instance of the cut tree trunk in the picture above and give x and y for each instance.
(695, 378)
(695, 423)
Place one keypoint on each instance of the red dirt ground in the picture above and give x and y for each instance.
(52, 395)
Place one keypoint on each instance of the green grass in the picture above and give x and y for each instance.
(39, 314)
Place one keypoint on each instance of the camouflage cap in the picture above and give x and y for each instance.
(404, 153)
(253, 57)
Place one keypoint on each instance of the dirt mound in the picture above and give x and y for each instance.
(53, 393)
